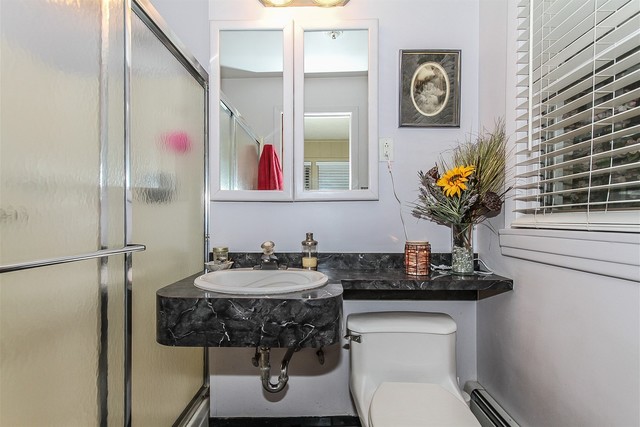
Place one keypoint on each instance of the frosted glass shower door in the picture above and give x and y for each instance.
(61, 195)
(167, 158)
(81, 178)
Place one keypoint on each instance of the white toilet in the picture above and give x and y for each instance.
(403, 370)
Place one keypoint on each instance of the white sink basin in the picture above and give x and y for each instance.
(247, 281)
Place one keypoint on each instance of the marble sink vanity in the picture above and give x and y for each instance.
(193, 317)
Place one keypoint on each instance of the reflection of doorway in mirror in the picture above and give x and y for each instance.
(327, 147)
(430, 89)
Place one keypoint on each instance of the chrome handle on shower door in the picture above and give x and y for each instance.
(72, 258)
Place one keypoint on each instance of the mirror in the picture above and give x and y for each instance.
(251, 106)
(336, 139)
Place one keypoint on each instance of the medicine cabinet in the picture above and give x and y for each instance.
(294, 111)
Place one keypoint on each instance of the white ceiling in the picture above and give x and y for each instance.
(326, 127)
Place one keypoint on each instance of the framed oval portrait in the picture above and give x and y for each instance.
(430, 88)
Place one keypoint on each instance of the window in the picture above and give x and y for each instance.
(578, 145)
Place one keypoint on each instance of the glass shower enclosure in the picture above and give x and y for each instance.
(103, 153)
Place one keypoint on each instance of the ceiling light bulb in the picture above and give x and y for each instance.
(276, 3)
(327, 3)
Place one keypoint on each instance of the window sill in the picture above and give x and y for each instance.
(608, 254)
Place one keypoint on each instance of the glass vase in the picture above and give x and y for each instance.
(462, 248)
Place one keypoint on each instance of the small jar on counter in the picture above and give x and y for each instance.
(219, 254)
(310, 253)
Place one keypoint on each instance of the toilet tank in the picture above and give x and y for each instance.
(402, 347)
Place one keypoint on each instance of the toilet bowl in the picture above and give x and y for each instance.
(403, 370)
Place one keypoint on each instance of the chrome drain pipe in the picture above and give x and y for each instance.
(261, 360)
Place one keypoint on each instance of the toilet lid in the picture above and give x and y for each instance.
(418, 405)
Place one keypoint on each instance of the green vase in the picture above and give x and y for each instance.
(462, 248)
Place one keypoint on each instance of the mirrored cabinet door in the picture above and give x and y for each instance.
(336, 156)
(251, 111)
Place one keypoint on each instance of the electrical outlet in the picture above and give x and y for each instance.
(386, 149)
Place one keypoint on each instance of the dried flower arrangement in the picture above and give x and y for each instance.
(471, 187)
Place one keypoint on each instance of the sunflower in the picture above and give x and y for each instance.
(453, 180)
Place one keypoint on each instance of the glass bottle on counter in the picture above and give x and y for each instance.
(310, 253)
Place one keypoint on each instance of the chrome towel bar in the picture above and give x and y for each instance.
(63, 260)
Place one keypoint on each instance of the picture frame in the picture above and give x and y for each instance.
(429, 88)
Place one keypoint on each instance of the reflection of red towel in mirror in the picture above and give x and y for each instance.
(269, 170)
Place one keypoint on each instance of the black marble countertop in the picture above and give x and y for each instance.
(397, 285)
(365, 276)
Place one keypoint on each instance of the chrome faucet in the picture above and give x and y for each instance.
(268, 260)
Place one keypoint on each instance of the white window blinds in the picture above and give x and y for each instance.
(320, 175)
(333, 175)
(578, 144)
(307, 176)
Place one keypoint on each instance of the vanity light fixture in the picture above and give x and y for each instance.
(321, 3)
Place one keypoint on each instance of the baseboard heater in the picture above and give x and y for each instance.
(486, 409)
